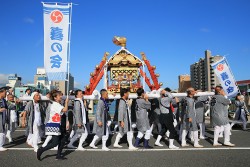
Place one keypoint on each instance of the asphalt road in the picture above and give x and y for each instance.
(19, 154)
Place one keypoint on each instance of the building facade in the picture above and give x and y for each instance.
(14, 81)
(41, 81)
(244, 86)
(184, 82)
(62, 85)
(202, 75)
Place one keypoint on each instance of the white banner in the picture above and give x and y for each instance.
(56, 30)
(225, 76)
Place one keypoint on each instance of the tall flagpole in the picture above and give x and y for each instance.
(69, 38)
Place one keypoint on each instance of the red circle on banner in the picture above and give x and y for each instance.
(220, 67)
(56, 16)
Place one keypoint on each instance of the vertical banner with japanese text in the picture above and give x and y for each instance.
(225, 76)
(56, 39)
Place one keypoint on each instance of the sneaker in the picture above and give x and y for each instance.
(229, 144)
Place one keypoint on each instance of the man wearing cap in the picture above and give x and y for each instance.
(4, 116)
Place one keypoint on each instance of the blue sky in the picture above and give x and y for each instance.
(173, 34)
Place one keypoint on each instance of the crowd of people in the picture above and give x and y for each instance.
(63, 122)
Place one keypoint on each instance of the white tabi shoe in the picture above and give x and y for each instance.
(229, 144)
(10, 141)
(93, 146)
(198, 146)
(105, 149)
(35, 149)
(29, 144)
(81, 148)
(55, 148)
(173, 147)
(9, 138)
(3, 149)
(203, 137)
(158, 144)
(184, 144)
(132, 148)
(217, 144)
(117, 146)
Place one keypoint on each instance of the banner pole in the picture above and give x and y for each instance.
(69, 38)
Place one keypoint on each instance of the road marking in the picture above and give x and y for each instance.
(20, 130)
(141, 150)
(209, 129)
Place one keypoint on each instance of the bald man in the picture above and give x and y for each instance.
(189, 121)
(219, 109)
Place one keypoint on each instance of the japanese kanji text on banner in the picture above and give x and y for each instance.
(56, 30)
(226, 78)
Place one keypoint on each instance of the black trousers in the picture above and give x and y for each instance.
(167, 124)
(56, 141)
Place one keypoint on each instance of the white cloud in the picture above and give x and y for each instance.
(205, 30)
(4, 79)
(28, 20)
